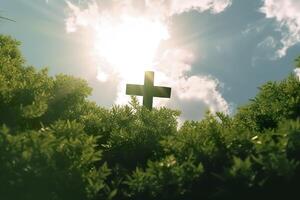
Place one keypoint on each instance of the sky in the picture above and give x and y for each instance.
(213, 53)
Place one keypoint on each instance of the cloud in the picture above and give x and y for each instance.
(167, 8)
(266, 49)
(82, 18)
(161, 9)
(254, 28)
(287, 14)
(268, 42)
(297, 72)
(172, 65)
(204, 89)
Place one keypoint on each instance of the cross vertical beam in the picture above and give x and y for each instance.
(148, 90)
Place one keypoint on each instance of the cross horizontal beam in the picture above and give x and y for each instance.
(132, 89)
(138, 90)
(148, 90)
(162, 92)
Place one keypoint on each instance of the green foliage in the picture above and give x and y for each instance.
(297, 62)
(56, 144)
(56, 162)
(28, 97)
(136, 133)
(275, 102)
(168, 178)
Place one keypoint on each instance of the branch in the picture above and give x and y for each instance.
(7, 19)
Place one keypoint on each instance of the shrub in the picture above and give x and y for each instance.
(53, 163)
(56, 144)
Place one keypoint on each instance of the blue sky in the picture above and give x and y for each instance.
(235, 48)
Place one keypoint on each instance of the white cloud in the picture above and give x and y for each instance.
(266, 50)
(202, 88)
(176, 63)
(254, 28)
(287, 14)
(172, 65)
(161, 9)
(82, 17)
(269, 42)
(297, 72)
(167, 8)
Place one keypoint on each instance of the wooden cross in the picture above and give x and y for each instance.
(148, 90)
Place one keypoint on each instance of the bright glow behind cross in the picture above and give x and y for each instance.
(130, 44)
(125, 39)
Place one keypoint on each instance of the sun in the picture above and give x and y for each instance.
(130, 45)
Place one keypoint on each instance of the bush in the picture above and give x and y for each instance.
(56, 144)
(53, 163)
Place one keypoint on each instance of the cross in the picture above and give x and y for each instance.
(148, 90)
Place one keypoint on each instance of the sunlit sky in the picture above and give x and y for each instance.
(213, 53)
